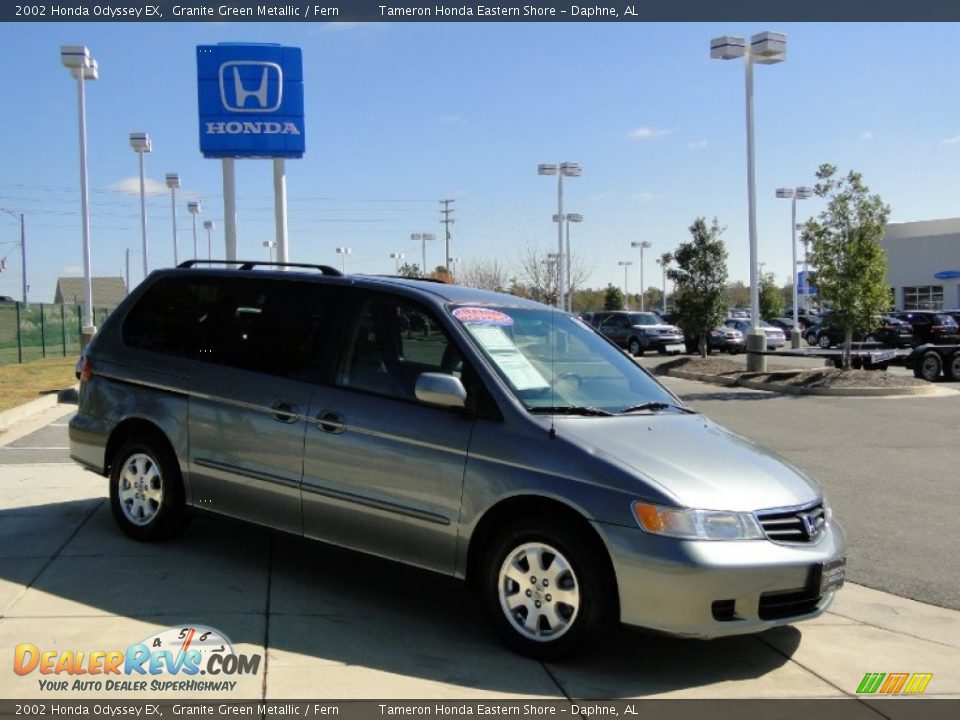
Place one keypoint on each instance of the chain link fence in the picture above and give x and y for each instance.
(32, 332)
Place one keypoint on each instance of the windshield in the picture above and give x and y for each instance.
(553, 360)
(644, 319)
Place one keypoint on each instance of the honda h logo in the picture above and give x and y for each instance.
(811, 524)
(251, 86)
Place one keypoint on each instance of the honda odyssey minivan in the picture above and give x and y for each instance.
(471, 433)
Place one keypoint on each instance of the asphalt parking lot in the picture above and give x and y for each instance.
(333, 624)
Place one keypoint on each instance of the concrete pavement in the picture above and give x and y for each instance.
(334, 624)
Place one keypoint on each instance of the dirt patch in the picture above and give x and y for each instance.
(825, 378)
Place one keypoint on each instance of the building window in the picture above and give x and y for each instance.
(924, 297)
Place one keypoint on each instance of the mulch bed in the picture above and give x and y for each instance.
(825, 378)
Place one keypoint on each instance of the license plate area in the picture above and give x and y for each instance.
(832, 575)
(675, 347)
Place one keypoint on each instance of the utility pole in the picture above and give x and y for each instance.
(23, 249)
(447, 222)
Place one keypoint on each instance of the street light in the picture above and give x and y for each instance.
(194, 207)
(209, 226)
(766, 48)
(626, 264)
(83, 67)
(643, 245)
(397, 257)
(575, 218)
(23, 249)
(141, 144)
(564, 169)
(270, 245)
(663, 261)
(343, 252)
(794, 194)
(173, 182)
(454, 261)
(423, 238)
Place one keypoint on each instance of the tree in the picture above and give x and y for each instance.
(700, 280)
(486, 275)
(613, 298)
(849, 266)
(538, 274)
(664, 261)
(409, 271)
(737, 294)
(771, 297)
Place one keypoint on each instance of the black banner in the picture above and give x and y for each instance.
(846, 709)
(492, 11)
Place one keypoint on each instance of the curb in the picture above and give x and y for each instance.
(9, 418)
(727, 381)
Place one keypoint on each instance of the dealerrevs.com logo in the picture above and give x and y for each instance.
(178, 659)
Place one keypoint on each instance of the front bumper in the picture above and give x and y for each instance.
(659, 341)
(715, 588)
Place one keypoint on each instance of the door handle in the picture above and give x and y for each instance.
(331, 422)
(285, 412)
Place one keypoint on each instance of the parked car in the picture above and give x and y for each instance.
(638, 332)
(931, 326)
(510, 446)
(6, 299)
(720, 339)
(775, 337)
(786, 324)
(888, 330)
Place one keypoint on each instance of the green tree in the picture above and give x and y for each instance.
(737, 294)
(410, 270)
(613, 298)
(849, 266)
(771, 297)
(700, 279)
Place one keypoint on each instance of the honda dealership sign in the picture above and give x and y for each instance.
(251, 101)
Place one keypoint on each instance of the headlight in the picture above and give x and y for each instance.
(697, 524)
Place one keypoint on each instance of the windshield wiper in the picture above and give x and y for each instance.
(570, 410)
(656, 405)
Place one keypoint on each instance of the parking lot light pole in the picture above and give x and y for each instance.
(83, 67)
(794, 194)
(423, 239)
(453, 262)
(626, 264)
(209, 226)
(569, 218)
(194, 208)
(765, 48)
(141, 144)
(643, 245)
(564, 169)
(397, 257)
(270, 245)
(173, 182)
(343, 252)
(664, 260)
(23, 249)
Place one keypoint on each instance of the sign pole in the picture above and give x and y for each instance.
(280, 208)
(230, 208)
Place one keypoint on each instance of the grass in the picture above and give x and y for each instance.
(22, 383)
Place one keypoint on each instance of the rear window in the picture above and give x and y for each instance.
(173, 316)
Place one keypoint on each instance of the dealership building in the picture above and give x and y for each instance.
(923, 264)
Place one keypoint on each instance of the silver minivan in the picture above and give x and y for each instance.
(471, 433)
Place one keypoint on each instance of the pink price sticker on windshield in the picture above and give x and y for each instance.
(482, 316)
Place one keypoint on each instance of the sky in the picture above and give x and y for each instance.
(401, 115)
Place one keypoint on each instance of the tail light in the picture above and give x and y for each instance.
(86, 370)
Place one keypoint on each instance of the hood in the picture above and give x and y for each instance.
(691, 458)
(658, 326)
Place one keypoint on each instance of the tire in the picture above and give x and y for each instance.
(513, 567)
(146, 491)
(823, 341)
(811, 338)
(952, 368)
(929, 366)
(634, 347)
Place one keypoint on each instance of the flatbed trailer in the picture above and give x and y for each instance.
(930, 361)
(866, 356)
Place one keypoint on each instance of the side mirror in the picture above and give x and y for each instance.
(440, 389)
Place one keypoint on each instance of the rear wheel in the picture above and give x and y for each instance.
(952, 369)
(146, 490)
(929, 366)
(824, 341)
(634, 347)
(544, 590)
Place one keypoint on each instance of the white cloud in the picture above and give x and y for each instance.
(71, 270)
(452, 120)
(645, 197)
(866, 136)
(647, 133)
(952, 141)
(697, 144)
(131, 186)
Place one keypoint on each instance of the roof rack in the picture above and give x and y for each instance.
(251, 264)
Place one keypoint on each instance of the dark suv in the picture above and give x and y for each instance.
(638, 332)
(888, 330)
(931, 326)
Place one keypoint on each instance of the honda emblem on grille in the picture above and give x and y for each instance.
(810, 524)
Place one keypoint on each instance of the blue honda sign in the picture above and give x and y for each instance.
(802, 287)
(250, 98)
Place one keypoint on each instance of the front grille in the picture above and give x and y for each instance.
(793, 525)
(780, 605)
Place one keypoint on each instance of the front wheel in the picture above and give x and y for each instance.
(824, 341)
(929, 366)
(146, 491)
(634, 347)
(544, 590)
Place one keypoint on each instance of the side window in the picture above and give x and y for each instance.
(174, 316)
(275, 327)
(611, 321)
(393, 342)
